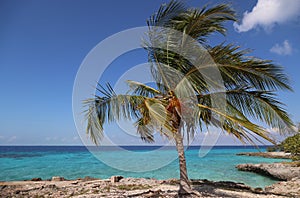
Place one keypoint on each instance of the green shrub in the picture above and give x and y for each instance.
(275, 148)
(271, 149)
(292, 145)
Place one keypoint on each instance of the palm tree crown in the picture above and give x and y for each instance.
(249, 84)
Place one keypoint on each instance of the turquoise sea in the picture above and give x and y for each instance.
(71, 162)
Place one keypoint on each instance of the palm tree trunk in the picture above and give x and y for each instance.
(184, 184)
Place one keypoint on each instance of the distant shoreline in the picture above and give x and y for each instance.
(275, 155)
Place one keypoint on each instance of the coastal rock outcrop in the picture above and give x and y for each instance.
(281, 171)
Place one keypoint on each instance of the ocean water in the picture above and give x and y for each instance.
(72, 162)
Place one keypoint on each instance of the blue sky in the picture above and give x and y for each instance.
(43, 43)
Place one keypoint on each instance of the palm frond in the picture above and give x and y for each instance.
(165, 13)
(199, 24)
(238, 69)
(145, 130)
(109, 108)
(260, 105)
(94, 128)
(235, 123)
(141, 89)
(263, 106)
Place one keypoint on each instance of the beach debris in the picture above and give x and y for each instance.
(57, 178)
(74, 182)
(36, 179)
(115, 179)
(87, 178)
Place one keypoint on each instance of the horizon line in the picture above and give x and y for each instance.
(131, 145)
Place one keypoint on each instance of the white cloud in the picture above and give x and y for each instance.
(75, 138)
(266, 13)
(275, 134)
(282, 49)
(51, 138)
(12, 139)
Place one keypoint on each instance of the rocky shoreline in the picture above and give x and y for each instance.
(118, 186)
(289, 173)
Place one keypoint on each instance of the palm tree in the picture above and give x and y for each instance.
(249, 85)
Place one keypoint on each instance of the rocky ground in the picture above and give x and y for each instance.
(130, 187)
(289, 188)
